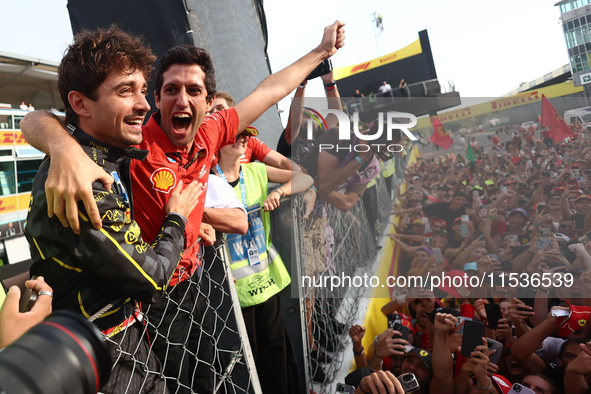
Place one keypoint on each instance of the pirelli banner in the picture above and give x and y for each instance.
(498, 107)
(413, 63)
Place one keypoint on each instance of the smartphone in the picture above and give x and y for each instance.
(28, 299)
(438, 255)
(545, 174)
(493, 257)
(545, 232)
(573, 185)
(343, 388)
(464, 230)
(507, 265)
(323, 68)
(576, 172)
(475, 194)
(428, 241)
(494, 345)
(520, 389)
(483, 212)
(543, 243)
(503, 189)
(513, 238)
(462, 319)
(553, 175)
(409, 382)
(588, 235)
(473, 333)
(393, 319)
(527, 295)
(404, 331)
(493, 314)
(465, 218)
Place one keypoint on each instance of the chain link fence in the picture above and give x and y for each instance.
(340, 244)
(197, 335)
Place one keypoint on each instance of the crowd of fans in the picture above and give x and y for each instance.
(517, 213)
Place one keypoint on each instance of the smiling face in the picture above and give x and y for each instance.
(117, 115)
(182, 103)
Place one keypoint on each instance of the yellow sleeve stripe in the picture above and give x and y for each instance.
(125, 254)
(66, 265)
(38, 248)
(86, 315)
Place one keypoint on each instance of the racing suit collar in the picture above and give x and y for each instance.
(110, 152)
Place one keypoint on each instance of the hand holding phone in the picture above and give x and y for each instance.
(438, 255)
(473, 333)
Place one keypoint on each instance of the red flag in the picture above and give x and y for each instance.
(440, 136)
(551, 118)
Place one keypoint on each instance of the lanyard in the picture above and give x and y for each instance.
(242, 187)
(197, 155)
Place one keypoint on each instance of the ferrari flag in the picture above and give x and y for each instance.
(440, 136)
(551, 118)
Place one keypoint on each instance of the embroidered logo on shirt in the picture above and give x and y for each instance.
(163, 180)
(202, 172)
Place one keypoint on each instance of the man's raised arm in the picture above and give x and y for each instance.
(71, 171)
(277, 86)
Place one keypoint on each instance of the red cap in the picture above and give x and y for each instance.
(574, 321)
(502, 383)
(438, 220)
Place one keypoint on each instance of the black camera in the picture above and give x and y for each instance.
(63, 354)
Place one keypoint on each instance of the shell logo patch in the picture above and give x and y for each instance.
(163, 180)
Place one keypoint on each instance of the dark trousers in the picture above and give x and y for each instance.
(131, 354)
(370, 203)
(181, 332)
(271, 347)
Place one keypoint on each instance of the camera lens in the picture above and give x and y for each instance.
(63, 354)
(407, 378)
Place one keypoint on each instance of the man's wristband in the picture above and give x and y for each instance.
(185, 221)
(359, 352)
(536, 224)
(491, 217)
(313, 188)
(330, 86)
(530, 252)
(302, 86)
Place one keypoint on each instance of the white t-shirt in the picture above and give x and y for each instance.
(221, 195)
(385, 88)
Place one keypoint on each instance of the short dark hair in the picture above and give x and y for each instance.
(93, 56)
(189, 55)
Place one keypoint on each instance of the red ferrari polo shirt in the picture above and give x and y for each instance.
(154, 178)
